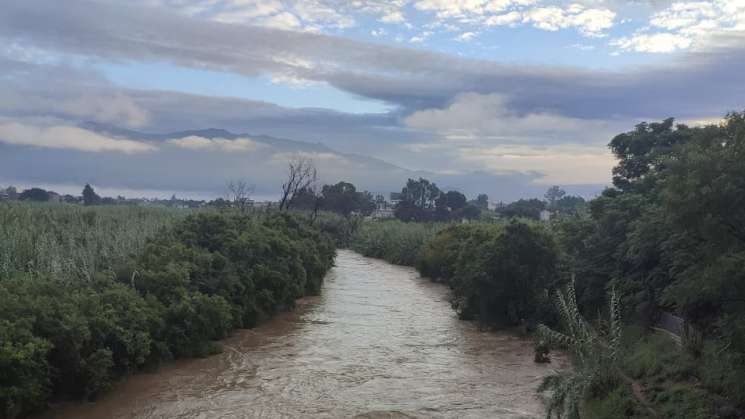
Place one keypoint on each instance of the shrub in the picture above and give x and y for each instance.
(505, 275)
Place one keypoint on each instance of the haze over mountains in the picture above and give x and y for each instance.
(199, 163)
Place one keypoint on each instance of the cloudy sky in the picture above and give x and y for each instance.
(501, 96)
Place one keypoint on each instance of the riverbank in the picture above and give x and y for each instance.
(378, 340)
(84, 300)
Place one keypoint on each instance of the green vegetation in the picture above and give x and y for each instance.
(421, 200)
(91, 294)
(500, 273)
(669, 236)
(595, 355)
(394, 241)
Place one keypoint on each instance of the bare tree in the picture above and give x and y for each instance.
(239, 194)
(301, 174)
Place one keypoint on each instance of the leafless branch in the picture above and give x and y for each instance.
(239, 194)
(301, 174)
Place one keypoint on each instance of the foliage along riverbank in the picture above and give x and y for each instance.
(669, 237)
(90, 295)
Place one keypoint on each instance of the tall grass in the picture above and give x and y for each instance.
(70, 241)
(394, 241)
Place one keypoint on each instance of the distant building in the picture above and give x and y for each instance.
(9, 193)
(264, 204)
(382, 213)
(545, 215)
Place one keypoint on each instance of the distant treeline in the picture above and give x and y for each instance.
(91, 294)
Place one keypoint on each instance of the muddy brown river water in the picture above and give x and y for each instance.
(380, 342)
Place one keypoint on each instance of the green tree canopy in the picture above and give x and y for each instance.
(89, 196)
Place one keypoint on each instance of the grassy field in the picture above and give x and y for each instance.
(394, 241)
(75, 241)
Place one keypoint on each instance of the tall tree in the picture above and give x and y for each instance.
(341, 198)
(89, 196)
(554, 194)
(421, 193)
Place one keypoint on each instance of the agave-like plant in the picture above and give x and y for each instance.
(595, 354)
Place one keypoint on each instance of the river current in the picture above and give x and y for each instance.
(379, 342)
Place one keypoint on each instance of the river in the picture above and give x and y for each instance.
(380, 342)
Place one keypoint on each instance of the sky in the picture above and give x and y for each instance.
(505, 97)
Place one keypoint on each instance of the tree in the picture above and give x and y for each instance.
(482, 202)
(341, 198)
(418, 201)
(642, 152)
(449, 206)
(452, 200)
(571, 205)
(470, 212)
(301, 174)
(239, 193)
(309, 199)
(527, 208)
(89, 196)
(503, 275)
(407, 211)
(34, 194)
(554, 194)
(421, 193)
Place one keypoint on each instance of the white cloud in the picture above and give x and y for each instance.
(698, 25)
(658, 42)
(467, 8)
(566, 164)
(418, 39)
(684, 14)
(215, 144)
(510, 18)
(306, 15)
(466, 36)
(89, 106)
(68, 137)
(589, 22)
(395, 16)
(486, 117)
(483, 134)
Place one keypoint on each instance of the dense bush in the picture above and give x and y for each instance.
(505, 275)
(499, 274)
(69, 333)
